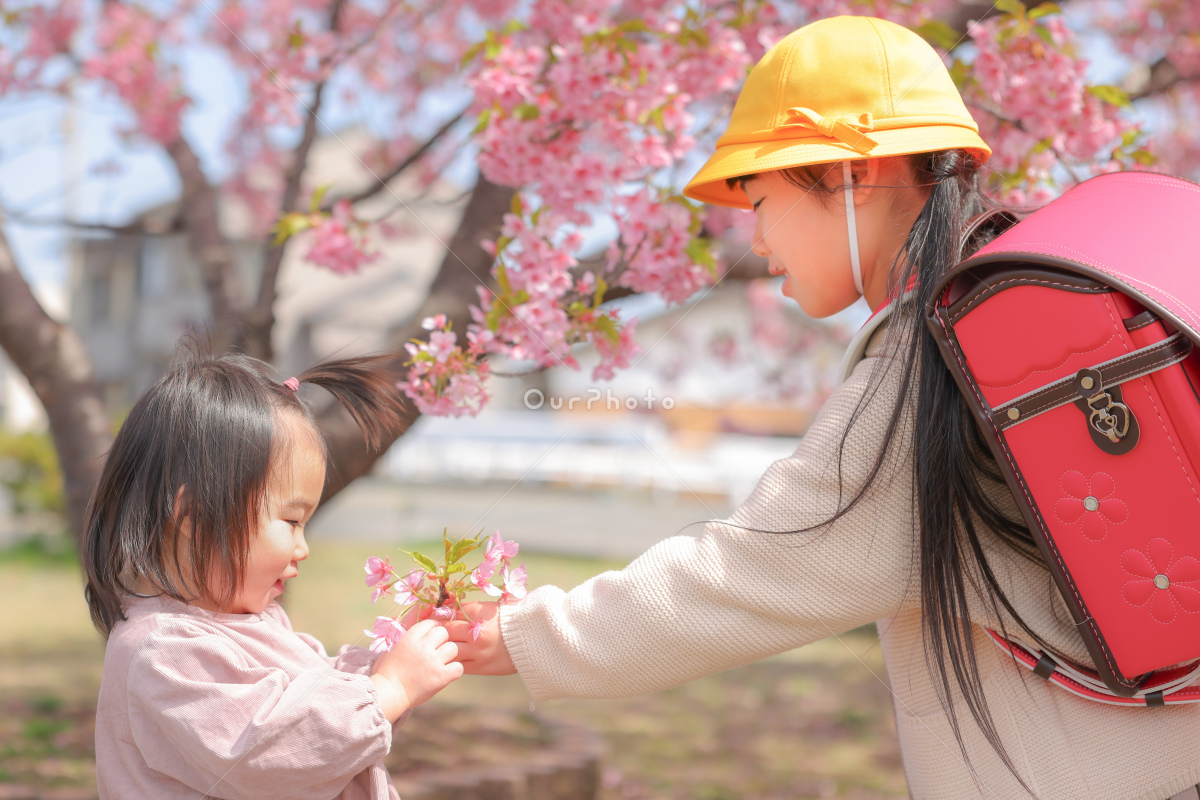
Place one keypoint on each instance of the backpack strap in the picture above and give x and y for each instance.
(1004, 218)
(1170, 686)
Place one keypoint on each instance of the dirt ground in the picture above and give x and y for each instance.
(813, 723)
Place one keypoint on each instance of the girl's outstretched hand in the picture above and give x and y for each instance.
(485, 655)
(419, 665)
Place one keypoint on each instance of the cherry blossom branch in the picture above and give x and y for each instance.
(1164, 76)
(380, 183)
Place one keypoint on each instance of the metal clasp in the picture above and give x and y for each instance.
(1114, 426)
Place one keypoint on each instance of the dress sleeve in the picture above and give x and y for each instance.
(690, 607)
(350, 657)
(202, 714)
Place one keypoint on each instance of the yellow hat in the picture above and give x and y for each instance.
(845, 87)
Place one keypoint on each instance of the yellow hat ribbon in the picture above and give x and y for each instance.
(846, 128)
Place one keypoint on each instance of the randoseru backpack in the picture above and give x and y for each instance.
(1071, 335)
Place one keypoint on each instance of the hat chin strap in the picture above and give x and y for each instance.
(851, 228)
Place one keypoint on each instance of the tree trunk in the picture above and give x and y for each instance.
(464, 266)
(54, 361)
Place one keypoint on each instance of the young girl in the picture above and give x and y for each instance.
(196, 525)
(861, 161)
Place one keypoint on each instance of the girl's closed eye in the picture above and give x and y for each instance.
(757, 204)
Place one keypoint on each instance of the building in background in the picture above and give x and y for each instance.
(132, 297)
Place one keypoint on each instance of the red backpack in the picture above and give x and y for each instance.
(1071, 335)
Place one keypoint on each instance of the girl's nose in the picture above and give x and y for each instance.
(758, 243)
(301, 548)
(759, 247)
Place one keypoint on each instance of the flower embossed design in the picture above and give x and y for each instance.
(1091, 503)
(1166, 583)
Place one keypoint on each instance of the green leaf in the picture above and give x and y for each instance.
(960, 73)
(482, 122)
(698, 250)
(424, 562)
(1044, 9)
(1014, 7)
(1113, 95)
(470, 54)
(461, 548)
(1128, 137)
(938, 33)
(1044, 34)
(634, 25)
(526, 111)
(601, 288)
(517, 207)
(318, 195)
(1144, 157)
(453, 568)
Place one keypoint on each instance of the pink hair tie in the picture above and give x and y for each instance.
(292, 384)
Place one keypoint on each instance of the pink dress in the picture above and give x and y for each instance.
(196, 703)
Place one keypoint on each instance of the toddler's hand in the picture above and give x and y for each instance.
(418, 666)
(486, 655)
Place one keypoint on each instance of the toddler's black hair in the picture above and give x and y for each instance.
(198, 445)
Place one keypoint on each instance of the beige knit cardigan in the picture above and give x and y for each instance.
(692, 606)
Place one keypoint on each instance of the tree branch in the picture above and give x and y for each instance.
(200, 212)
(1163, 77)
(381, 182)
(53, 359)
(261, 318)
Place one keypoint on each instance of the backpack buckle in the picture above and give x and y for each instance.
(1111, 424)
(1110, 419)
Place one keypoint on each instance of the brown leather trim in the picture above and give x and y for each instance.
(937, 319)
(1006, 217)
(1114, 371)
(1021, 260)
(1140, 321)
(977, 286)
(1155, 699)
(1044, 668)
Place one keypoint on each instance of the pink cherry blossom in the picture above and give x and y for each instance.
(378, 570)
(385, 633)
(337, 241)
(475, 628)
(514, 582)
(498, 549)
(409, 586)
(442, 613)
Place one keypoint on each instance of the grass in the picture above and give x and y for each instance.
(807, 724)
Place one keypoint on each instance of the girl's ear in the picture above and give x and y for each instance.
(865, 175)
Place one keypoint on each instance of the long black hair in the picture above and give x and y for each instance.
(953, 471)
(199, 444)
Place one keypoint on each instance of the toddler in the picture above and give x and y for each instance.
(195, 528)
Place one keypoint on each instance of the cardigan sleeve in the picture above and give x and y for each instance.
(202, 714)
(690, 607)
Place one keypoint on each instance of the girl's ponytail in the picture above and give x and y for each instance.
(366, 387)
